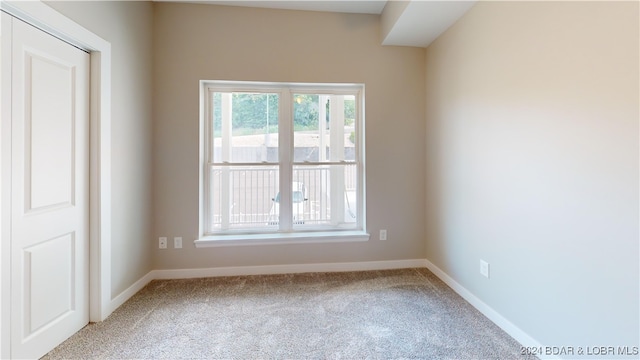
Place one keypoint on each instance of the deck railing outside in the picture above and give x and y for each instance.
(251, 191)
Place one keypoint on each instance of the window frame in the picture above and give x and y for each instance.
(286, 233)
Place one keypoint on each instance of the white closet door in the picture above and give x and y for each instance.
(50, 191)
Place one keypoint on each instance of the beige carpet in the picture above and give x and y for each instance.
(392, 314)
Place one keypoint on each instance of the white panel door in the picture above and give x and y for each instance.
(50, 191)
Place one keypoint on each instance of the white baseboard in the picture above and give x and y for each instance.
(129, 292)
(506, 325)
(287, 269)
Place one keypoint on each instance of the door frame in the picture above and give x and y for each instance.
(47, 19)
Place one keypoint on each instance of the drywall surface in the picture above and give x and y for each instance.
(392, 11)
(127, 25)
(194, 42)
(532, 165)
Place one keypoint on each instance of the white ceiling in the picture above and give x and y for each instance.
(405, 23)
(348, 6)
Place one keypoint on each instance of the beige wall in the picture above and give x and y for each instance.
(128, 27)
(196, 42)
(532, 165)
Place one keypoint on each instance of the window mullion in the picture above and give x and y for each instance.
(285, 153)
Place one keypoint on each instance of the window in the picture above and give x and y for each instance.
(281, 160)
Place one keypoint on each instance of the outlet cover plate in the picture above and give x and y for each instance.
(484, 268)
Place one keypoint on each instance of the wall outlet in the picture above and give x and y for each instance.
(484, 268)
(177, 243)
(383, 234)
(162, 242)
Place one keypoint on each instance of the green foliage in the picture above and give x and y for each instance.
(254, 111)
(352, 137)
(250, 111)
(258, 113)
(349, 111)
(305, 111)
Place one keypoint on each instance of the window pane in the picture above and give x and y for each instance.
(241, 196)
(322, 208)
(324, 127)
(245, 127)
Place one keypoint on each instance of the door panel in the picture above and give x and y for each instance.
(49, 130)
(49, 290)
(49, 191)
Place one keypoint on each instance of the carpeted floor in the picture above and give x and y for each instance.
(391, 314)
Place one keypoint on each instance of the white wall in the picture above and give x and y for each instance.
(532, 165)
(196, 42)
(127, 25)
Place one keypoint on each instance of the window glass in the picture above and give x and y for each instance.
(331, 194)
(245, 127)
(241, 196)
(324, 127)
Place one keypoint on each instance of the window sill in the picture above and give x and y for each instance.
(281, 238)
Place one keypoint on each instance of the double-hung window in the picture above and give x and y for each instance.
(281, 161)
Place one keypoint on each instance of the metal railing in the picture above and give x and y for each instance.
(250, 193)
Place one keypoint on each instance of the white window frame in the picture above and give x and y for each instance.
(286, 233)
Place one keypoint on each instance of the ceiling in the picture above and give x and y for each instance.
(404, 23)
(350, 6)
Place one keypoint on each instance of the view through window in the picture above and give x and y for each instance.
(282, 157)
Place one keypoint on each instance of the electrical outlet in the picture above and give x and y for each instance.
(383, 234)
(484, 268)
(162, 243)
(177, 243)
